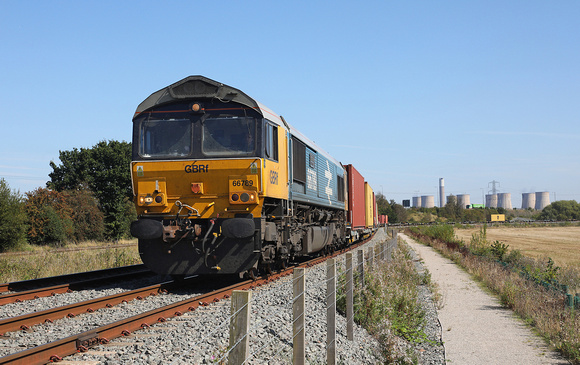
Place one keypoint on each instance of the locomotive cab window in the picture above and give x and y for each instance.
(165, 138)
(229, 136)
(271, 141)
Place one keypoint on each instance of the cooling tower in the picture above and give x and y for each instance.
(441, 192)
(491, 200)
(528, 200)
(463, 200)
(504, 200)
(416, 202)
(427, 201)
(542, 200)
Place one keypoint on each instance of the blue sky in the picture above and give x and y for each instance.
(407, 91)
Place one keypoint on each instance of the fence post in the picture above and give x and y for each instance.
(371, 252)
(298, 326)
(330, 312)
(239, 324)
(361, 267)
(383, 248)
(349, 298)
(569, 300)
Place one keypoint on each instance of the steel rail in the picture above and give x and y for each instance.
(56, 350)
(69, 278)
(34, 294)
(23, 322)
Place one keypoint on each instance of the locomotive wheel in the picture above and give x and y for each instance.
(252, 273)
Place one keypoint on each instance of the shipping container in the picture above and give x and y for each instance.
(375, 211)
(383, 219)
(356, 198)
(369, 206)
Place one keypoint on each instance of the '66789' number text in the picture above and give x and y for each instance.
(242, 183)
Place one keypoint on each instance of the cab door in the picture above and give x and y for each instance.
(275, 170)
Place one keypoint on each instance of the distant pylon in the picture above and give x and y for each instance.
(493, 188)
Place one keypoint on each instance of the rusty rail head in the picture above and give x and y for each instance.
(15, 323)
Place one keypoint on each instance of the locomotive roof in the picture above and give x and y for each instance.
(196, 87)
(202, 87)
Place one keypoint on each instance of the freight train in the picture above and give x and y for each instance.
(223, 185)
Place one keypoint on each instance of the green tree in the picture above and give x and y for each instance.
(88, 219)
(104, 168)
(474, 215)
(395, 212)
(12, 218)
(561, 210)
(399, 211)
(49, 217)
(452, 210)
(382, 203)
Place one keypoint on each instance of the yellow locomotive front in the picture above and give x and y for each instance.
(206, 167)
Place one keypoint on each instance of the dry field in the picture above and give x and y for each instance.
(45, 261)
(562, 244)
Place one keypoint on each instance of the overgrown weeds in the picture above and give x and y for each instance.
(387, 306)
(529, 287)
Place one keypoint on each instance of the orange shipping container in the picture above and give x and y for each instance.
(356, 198)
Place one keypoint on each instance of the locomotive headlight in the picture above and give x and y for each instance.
(245, 197)
(196, 108)
(148, 199)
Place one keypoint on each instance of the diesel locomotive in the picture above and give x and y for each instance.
(223, 185)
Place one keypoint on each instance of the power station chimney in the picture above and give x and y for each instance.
(441, 193)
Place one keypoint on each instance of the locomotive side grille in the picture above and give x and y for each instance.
(340, 188)
(299, 160)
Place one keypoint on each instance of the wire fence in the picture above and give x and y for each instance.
(300, 322)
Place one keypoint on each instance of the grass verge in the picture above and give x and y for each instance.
(388, 306)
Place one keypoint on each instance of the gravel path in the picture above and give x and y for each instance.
(476, 329)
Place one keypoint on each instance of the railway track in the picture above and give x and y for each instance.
(72, 278)
(43, 287)
(82, 341)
